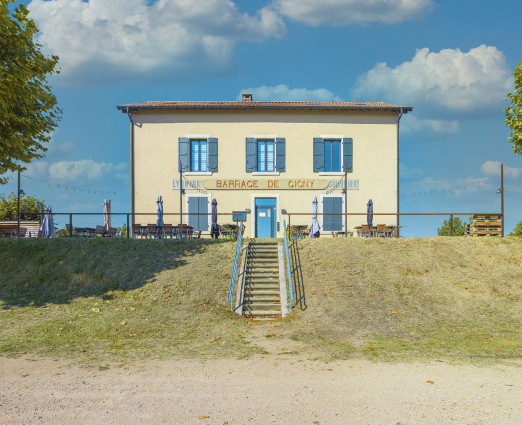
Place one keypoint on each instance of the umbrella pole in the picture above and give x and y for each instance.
(18, 234)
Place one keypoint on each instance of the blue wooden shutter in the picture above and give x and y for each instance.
(337, 220)
(183, 153)
(203, 209)
(347, 154)
(193, 209)
(251, 155)
(318, 154)
(212, 154)
(327, 219)
(280, 154)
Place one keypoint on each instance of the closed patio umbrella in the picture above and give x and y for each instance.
(107, 214)
(48, 224)
(159, 203)
(214, 230)
(315, 224)
(369, 210)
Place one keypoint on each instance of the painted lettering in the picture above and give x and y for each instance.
(255, 184)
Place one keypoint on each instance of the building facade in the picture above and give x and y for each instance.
(265, 157)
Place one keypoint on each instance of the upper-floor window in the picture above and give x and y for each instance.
(265, 155)
(332, 155)
(198, 155)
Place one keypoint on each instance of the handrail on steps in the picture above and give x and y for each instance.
(288, 268)
(230, 294)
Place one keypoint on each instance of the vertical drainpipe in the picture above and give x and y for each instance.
(131, 166)
(398, 173)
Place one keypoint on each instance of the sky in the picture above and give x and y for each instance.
(450, 61)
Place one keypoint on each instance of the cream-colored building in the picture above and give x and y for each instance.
(264, 158)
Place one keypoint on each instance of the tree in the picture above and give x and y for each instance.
(517, 231)
(28, 204)
(28, 111)
(458, 228)
(513, 112)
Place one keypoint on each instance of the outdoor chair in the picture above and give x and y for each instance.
(136, 230)
(111, 232)
(184, 231)
(168, 230)
(333, 234)
(365, 231)
(100, 230)
(225, 233)
(199, 235)
(153, 230)
(381, 230)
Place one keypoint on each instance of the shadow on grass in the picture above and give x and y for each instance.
(40, 271)
(297, 276)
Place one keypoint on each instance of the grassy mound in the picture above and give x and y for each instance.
(117, 299)
(458, 299)
(415, 297)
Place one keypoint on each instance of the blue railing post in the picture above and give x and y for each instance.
(230, 294)
(288, 268)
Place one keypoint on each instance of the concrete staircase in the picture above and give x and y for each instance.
(261, 296)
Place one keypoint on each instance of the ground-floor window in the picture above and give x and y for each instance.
(333, 204)
(198, 205)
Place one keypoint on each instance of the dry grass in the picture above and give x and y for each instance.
(457, 299)
(415, 297)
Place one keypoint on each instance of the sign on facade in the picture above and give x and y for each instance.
(274, 184)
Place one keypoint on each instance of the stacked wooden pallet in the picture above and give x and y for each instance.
(486, 225)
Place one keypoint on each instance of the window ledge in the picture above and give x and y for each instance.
(331, 173)
(198, 173)
(265, 173)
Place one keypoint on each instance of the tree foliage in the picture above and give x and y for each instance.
(28, 111)
(28, 204)
(459, 228)
(517, 231)
(513, 112)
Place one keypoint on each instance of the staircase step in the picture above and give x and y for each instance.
(262, 299)
(262, 286)
(261, 292)
(261, 312)
(252, 282)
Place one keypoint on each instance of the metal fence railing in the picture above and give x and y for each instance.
(233, 275)
(288, 268)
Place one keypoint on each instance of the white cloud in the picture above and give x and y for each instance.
(345, 12)
(407, 172)
(102, 40)
(37, 169)
(411, 124)
(59, 149)
(283, 93)
(86, 168)
(492, 168)
(449, 80)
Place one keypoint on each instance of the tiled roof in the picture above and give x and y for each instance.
(243, 104)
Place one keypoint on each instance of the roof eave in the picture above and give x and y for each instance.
(134, 108)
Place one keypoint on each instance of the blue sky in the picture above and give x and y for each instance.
(451, 61)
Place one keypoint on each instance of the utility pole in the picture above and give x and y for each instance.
(345, 200)
(18, 234)
(180, 201)
(502, 194)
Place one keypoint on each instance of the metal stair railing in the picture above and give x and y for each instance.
(288, 268)
(230, 294)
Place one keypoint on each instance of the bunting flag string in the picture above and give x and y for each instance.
(67, 187)
(196, 187)
(447, 190)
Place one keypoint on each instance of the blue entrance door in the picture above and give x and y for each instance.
(265, 217)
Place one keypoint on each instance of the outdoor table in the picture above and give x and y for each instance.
(300, 228)
(84, 231)
(231, 228)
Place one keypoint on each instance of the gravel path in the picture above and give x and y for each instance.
(274, 389)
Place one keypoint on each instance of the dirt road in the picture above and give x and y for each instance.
(280, 390)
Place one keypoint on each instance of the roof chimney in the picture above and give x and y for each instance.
(247, 97)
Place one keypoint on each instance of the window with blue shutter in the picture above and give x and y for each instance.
(198, 155)
(265, 155)
(330, 155)
(332, 204)
(198, 205)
